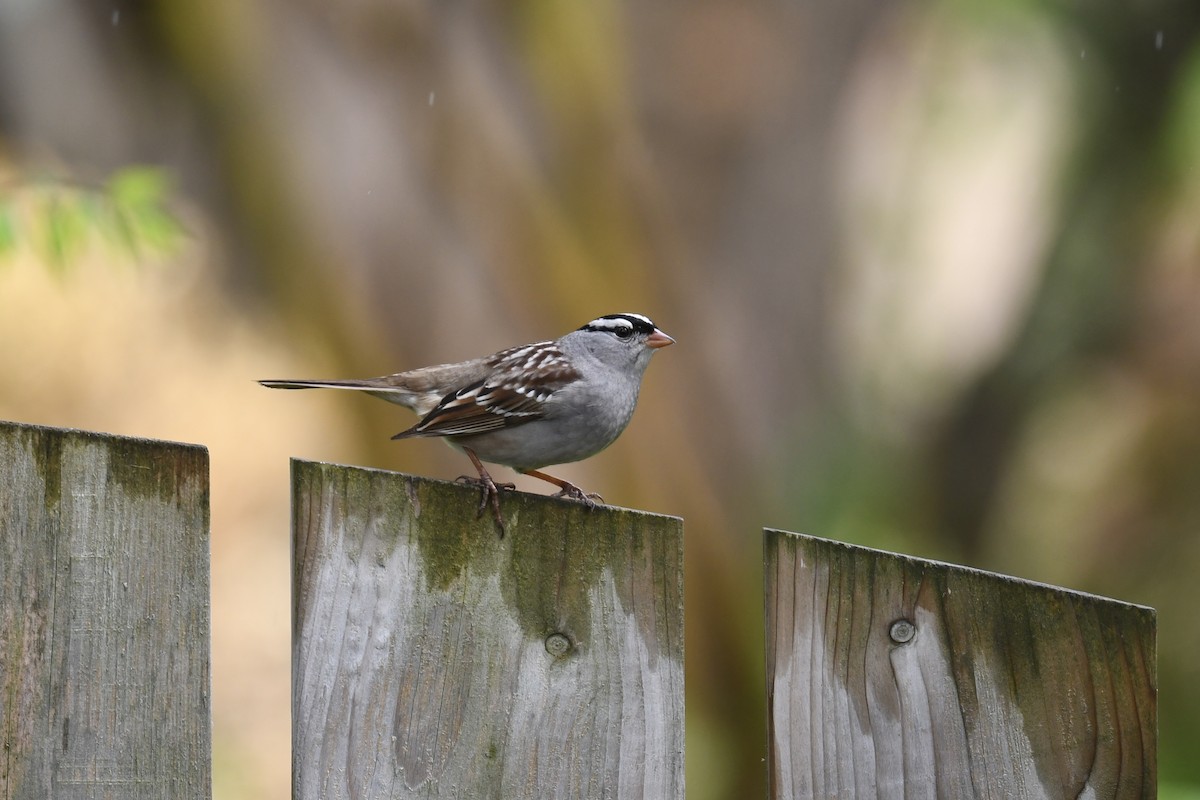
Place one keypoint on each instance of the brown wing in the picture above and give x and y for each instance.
(522, 379)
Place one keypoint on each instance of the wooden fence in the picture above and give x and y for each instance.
(104, 680)
(433, 659)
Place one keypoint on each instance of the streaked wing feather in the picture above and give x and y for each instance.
(503, 399)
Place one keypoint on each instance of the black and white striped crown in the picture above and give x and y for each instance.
(621, 323)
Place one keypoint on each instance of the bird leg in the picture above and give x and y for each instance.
(567, 489)
(491, 489)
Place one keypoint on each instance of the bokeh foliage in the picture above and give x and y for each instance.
(58, 219)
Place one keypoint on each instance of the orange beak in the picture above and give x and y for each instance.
(658, 339)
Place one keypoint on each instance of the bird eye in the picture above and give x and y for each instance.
(624, 332)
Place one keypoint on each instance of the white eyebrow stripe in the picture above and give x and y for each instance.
(618, 321)
(642, 317)
(611, 324)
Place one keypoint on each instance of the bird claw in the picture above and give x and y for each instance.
(491, 496)
(508, 487)
(572, 492)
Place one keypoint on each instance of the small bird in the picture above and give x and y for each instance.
(526, 407)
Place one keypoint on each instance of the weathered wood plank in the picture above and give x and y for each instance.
(433, 659)
(104, 621)
(893, 677)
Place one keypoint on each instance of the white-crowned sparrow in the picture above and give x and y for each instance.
(526, 407)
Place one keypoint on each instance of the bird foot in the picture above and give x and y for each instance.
(491, 496)
(572, 492)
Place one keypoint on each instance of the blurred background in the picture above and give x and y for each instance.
(933, 267)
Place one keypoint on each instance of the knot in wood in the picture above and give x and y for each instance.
(558, 645)
(902, 631)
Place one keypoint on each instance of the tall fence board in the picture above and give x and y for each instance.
(893, 677)
(104, 617)
(433, 659)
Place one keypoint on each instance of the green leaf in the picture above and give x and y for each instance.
(8, 229)
(139, 212)
(159, 229)
(138, 187)
(65, 230)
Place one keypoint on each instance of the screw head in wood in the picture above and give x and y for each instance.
(558, 645)
(902, 631)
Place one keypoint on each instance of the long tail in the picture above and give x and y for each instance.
(362, 386)
(376, 387)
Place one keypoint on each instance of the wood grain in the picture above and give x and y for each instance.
(428, 653)
(1006, 689)
(104, 621)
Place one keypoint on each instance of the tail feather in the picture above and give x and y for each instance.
(383, 388)
(362, 386)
